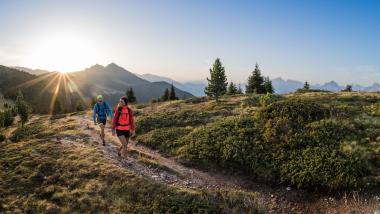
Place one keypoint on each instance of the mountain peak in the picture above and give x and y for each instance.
(112, 65)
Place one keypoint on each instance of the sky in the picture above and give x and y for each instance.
(306, 40)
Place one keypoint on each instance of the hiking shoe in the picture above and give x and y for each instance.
(104, 143)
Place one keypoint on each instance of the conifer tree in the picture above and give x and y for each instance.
(131, 95)
(239, 90)
(255, 82)
(348, 88)
(165, 96)
(268, 86)
(172, 95)
(22, 108)
(306, 86)
(232, 89)
(217, 84)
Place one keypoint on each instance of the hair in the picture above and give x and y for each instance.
(124, 98)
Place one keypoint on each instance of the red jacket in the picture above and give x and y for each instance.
(128, 111)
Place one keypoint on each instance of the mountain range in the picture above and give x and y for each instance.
(112, 81)
(280, 85)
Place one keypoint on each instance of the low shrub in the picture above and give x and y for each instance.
(164, 139)
(267, 99)
(252, 101)
(226, 142)
(30, 131)
(173, 119)
(196, 100)
(326, 168)
(296, 110)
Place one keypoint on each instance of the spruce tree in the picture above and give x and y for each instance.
(172, 95)
(232, 89)
(131, 95)
(268, 86)
(22, 108)
(306, 86)
(8, 118)
(217, 84)
(348, 88)
(239, 90)
(58, 108)
(255, 82)
(165, 96)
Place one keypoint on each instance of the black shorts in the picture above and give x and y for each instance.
(125, 133)
(102, 120)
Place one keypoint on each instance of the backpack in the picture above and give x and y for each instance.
(104, 109)
(120, 111)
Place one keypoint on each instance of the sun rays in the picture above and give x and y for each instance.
(55, 84)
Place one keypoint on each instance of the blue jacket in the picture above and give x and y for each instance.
(101, 111)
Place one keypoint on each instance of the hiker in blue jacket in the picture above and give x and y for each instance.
(101, 110)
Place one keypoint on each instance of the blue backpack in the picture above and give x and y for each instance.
(103, 112)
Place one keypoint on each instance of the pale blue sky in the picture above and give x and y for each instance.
(314, 40)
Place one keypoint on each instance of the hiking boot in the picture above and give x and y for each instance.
(104, 143)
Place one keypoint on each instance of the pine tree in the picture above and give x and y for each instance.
(58, 108)
(172, 95)
(268, 85)
(217, 84)
(131, 95)
(306, 86)
(239, 90)
(8, 118)
(165, 96)
(255, 82)
(232, 89)
(348, 88)
(22, 108)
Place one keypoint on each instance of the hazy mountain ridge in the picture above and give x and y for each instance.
(194, 87)
(115, 80)
(31, 71)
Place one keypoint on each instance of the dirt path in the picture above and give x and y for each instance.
(278, 199)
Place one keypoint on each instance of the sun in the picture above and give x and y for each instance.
(63, 52)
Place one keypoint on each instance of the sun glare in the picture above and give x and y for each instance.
(63, 53)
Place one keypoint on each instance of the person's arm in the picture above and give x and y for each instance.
(94, 113)
(132, 121)
(114, 120)
(109, 111)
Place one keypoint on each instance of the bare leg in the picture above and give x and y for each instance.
(124, 143)
(102, 132)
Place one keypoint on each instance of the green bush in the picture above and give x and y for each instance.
(173, 119)
(196, 100)
(164, 139)
(227, 142)
(267, 99)
(323, 167)
(296, 110)
(252, 100)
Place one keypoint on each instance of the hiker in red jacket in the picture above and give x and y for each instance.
(123, 125)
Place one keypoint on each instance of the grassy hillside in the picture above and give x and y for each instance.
(316, 141)
(52, 166)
